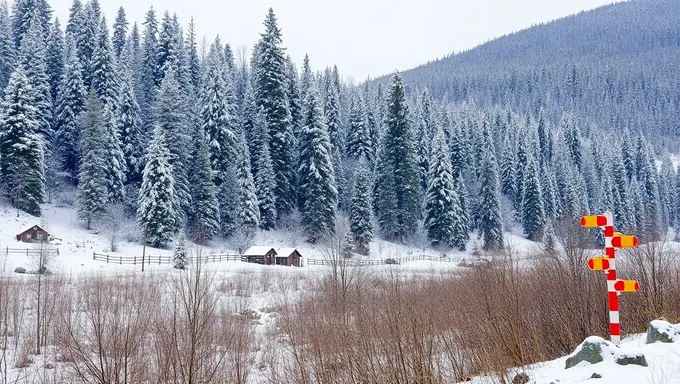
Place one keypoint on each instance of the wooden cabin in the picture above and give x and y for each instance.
(35, 234)
(289, 257)
(260, 255)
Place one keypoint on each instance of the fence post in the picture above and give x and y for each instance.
(94, 256)
(107, 258)
(121, 260)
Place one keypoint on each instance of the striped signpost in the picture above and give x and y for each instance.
(607, 263)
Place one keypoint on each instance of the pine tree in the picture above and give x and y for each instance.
(70, 104)
(103, 68)
(508, 175)
(55, 58)
(168, 47)
(204, 214)
(306, 78)
(93, 188)
(667, 192)
(360, 225)
(333, 120)
(228, 199)
(441, 202)
(7, 48)
(248, 209)
(113, 157)
(491, 221)
(26, 12)
(461, 223)
(32, 60)
(157, 211)
(532, 202)
(399, 162)
(21, 147)
(120, 30)
(129, 126)
(650, 191)
(86, 38)
(192, 55)
(180, 255)
(76, 20)
(317, 181)
(358, 137)
(270, 90)
(294, 97)
(264, 177)
(149, 71)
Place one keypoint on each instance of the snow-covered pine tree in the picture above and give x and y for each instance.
(264, 177)
(294, 97)
(270, 91)
(399, 162)
(21, 146)
(317, 181)
(533, 216)
(360, 210)
(248, 209)
(103, 68)
(332, 117)
(647, 174)
(306, 78)
(192, 55)
(171, 117)
(490, 219)
(180, 255)
(424, 144)
(228, 198)
(7, 47)
(168, 46)
(667, 191)
(441, 202)
(27, 11)
(130, 128)
(76, 20)
(120, 30)
(677, 202)
(358, 137)
(54, 56)
(86, 38)
(545, 139)
(32, 60)
(461, 223)
(70, 104)
(158, 204)
(149, 71)
(204, 215)
(93, 188)
(113, 157)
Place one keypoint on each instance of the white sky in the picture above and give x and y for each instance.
(363, 37)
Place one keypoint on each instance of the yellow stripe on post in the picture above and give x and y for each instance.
(599, 263)
(594, 221)
(627, 286)
(622, 241)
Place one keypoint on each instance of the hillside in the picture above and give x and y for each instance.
(614, 66)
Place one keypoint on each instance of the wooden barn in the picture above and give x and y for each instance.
(35, 234)
(260, 255)
(288, 256)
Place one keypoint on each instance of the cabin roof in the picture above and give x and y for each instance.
(34, 228)
(285, 252)
(258, 250)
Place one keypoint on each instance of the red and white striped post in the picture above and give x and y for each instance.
(607, 263)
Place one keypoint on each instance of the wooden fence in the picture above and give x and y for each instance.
(387, 261)
(30, 251)
(159, 260)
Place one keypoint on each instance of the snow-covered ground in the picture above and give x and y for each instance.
(663, 361)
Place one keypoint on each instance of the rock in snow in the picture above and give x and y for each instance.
(596, 349)
(662, 331)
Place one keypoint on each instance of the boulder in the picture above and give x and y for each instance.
(21, 270)
(521, 378)
(595, 350)
(662, 331)
(596, 376)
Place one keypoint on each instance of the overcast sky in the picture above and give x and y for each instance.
(363, 37)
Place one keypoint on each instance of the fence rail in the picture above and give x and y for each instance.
(159, 260)
(29, 251)
(387, 261)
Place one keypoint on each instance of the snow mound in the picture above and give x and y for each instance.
(596, 350)
(662, 331)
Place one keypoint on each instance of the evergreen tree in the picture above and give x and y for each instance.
(113, 157)
(120, 30)
(264, 177)
(317, 181)
(461, 224)
(192, 55)
(491, 222)
(32, 60)
(168, 47)
(294, 97)
(650, 191)
(129, 126)
(103, 68)
(70, 103)
(333, 121)
(398, 162)
(270, 79)
(7, 47)
(204, 214)
(55, 58)
(93, 185)
(358, 137)
(441, 202)
(248, 209)
(157, 211)
(306, 78)
(228, 199)
(76, 20)
(180, 255)
(26, 12)
(86, 38)
(360, 225)
(667, 192)
(508, 175)
(21, 147)
(532, 202)
(149, 71)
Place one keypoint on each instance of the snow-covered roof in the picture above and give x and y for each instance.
(285, 252)
(258, 250)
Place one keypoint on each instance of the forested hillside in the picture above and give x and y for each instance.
(613, 67)
(137, 118)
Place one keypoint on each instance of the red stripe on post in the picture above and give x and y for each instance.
(613, 301)
(609, 231)
(611, 275)
(615, 329)
(611, 252)
(601, 221)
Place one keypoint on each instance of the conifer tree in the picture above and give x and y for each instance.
(204, 214)
(103, 68)
(32, 60)
(317, 181)
(7, 48)
(149, 71)
(180, 255)
(248, 209)
(158, 204)
(264, 177)
(650, 191)
(55, 57)
(332, 117)
(21, 146)
(441, 202)
(294, 96)
(86, 38)
(93, 185)
(129, 126)
(360, 225)
(120, 30)
(168, 46)
(70, 103)
(192, 55)
(76, 20)
(532, 201)
(270, 79)
(26, 12)
(306, 78)
(667, 192)
(399, 162)
(491, 221)
(113, 157)
(358, 137)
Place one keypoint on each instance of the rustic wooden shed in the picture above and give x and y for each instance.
(288, 256)
(35, 234)
(260, 255)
